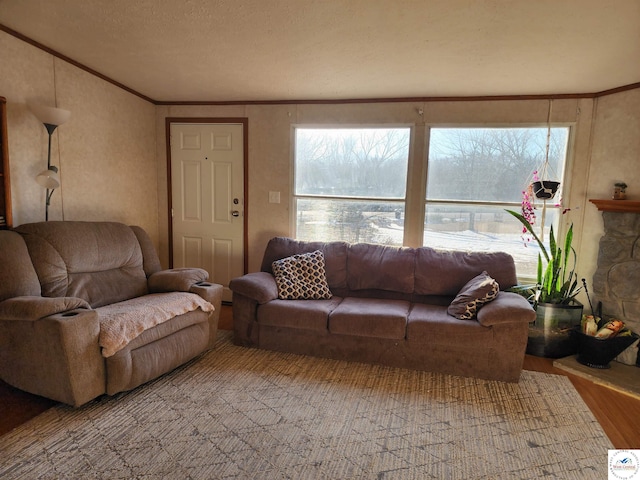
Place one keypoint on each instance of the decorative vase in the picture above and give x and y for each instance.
(619, 193)
(550, 335)
(545, 189)
(597, 352)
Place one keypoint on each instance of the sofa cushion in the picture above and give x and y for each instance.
(370, 317)
(157, 351)
(122, 322)
(380, 267)
(444, 272)
(17, 275)
(150, 260)
(476, 292)
(305, 314)
(301, 276)
(431, 324)
(335, 256)
(100, 262)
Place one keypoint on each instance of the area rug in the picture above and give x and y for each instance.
(251, 414)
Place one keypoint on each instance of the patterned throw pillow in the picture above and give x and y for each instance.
(478, 291)
(302, 277)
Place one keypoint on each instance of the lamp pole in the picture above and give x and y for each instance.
(51, 118)
(50, 129)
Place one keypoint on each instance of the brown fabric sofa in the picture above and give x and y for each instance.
(59, 284)
(389, 306)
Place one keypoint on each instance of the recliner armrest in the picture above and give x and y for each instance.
(508, 307)
(176, 279)
(56, 356)
(259, 286)
(35, 308)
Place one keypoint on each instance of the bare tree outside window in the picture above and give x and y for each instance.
(350, 184)
(352, 162)
(489, 164)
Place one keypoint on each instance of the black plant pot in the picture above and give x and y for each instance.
(598, 353)
(545, 189)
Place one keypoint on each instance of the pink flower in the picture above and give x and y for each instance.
(528, 212)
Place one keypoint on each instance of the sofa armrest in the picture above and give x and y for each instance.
(258, 286)
(212, 293)
(35, 308)
(506, 308)
(56, 356)
(176, 279)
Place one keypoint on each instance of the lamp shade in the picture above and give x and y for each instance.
(49, 115)
(49, 178)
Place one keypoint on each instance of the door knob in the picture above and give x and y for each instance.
(235, 213)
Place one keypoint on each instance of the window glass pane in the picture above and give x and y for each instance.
(350, 221)
(352, 162)
(484, 228)
(491, 164)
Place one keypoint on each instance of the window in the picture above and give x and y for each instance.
(350, 184)
(474, 174)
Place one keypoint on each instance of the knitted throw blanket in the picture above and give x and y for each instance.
(121, 322)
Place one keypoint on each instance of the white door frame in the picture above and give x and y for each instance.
(245, 139)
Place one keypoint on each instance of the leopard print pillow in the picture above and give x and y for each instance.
(477, 292)
(301, 277)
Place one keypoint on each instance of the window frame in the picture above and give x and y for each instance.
(558, 226)
(415, 200)
(351, 126)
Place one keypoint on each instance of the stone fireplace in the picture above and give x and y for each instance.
(616, 282)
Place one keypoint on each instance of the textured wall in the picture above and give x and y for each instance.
(106, 151)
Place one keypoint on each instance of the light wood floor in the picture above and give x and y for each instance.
(619, 414)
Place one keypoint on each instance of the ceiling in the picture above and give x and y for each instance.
(283, 50)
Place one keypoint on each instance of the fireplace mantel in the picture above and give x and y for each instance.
(621, 206)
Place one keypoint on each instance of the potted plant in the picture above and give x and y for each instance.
(553, 295)
(543, 189)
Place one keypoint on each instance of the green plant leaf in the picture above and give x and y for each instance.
(555, 282)
(529, 228)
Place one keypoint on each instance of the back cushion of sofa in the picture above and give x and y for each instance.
(100, 262)
(445, 273)
(335, 257)
(150, 260)
(17, 275)
(380, 267)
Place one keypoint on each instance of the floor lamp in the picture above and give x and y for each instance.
(51, 118)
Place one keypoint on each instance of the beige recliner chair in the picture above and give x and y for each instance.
(85, 309)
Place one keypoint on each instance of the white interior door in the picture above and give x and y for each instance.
(207, 170)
